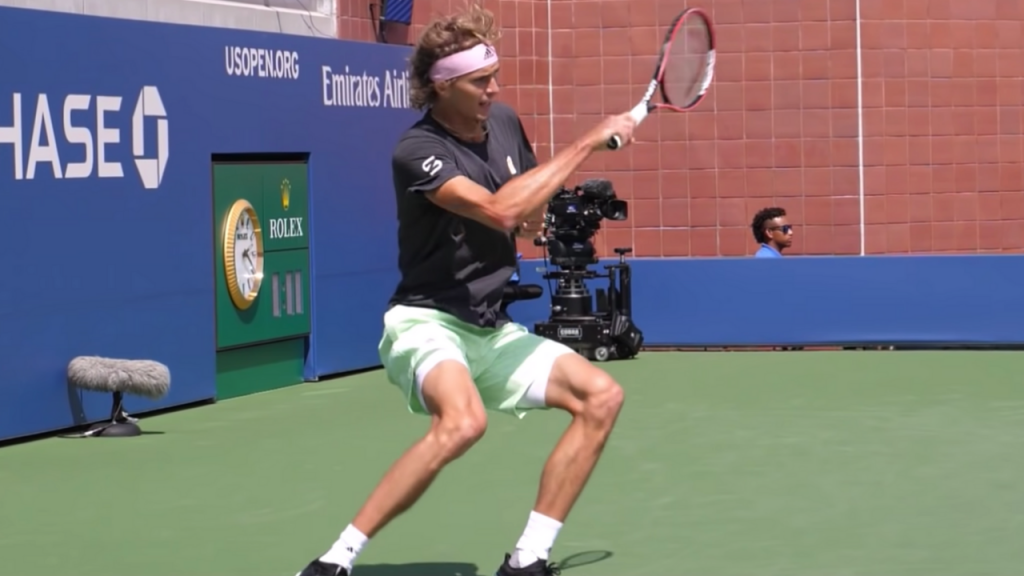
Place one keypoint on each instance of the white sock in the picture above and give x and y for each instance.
(345, 550)
(537, 540)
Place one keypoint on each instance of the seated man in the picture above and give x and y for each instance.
(772, 232)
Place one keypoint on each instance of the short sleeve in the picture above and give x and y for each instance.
(422, 163)
(529, 158)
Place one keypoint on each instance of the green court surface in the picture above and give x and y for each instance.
(723, 464)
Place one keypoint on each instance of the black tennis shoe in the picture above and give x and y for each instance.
(320, 568)
(538, 568)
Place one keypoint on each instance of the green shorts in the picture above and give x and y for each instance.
(509, 365)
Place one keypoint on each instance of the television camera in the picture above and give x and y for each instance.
(601, 330)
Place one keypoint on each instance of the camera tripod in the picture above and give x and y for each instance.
(598, 326)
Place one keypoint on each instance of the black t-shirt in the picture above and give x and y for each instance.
(448, 262)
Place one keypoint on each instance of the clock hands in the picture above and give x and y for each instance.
(252, 269)
(242, 254)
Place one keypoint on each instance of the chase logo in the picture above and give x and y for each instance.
(151, 170)
(88, 137)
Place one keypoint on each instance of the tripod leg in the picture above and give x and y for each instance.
(625, 290)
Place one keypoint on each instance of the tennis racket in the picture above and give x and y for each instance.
(685, 67)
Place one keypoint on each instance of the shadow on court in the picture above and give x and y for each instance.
(584, 558)
(465, 568)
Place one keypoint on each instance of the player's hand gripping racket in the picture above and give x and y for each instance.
(685, 67)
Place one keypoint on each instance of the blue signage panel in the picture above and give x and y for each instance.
(106, 140)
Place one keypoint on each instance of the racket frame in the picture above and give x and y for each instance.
(645, 106)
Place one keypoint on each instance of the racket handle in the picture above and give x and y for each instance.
(639, 112)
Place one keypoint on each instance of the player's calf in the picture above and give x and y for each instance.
(458, 421)
(594, 400)
(449, 437)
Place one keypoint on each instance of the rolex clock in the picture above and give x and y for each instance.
(243, 254)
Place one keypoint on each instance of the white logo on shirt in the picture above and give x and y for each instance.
(511, 166)
(432, 165)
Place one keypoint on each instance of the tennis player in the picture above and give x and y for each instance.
(466, 178)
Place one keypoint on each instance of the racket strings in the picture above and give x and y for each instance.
(686, 64)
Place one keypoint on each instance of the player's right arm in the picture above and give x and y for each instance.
(525, 194)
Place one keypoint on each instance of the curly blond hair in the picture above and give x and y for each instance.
(442, 37)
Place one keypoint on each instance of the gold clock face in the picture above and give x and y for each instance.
(243, 254)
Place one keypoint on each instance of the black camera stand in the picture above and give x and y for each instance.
(602, 332)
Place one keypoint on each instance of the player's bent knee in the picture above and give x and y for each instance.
(584, 390)
(455, 434)
(602, 400)
(450, 396)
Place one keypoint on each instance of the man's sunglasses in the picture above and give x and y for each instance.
(786, 228)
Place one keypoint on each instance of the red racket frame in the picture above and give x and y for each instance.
(641, 110)
(666, 51)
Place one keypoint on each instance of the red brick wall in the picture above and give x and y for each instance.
(942, 125)
(354, 20)
(942, 122)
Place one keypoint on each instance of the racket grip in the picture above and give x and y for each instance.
(639, 112)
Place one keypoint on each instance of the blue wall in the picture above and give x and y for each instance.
(909, 300)
(103, 265)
